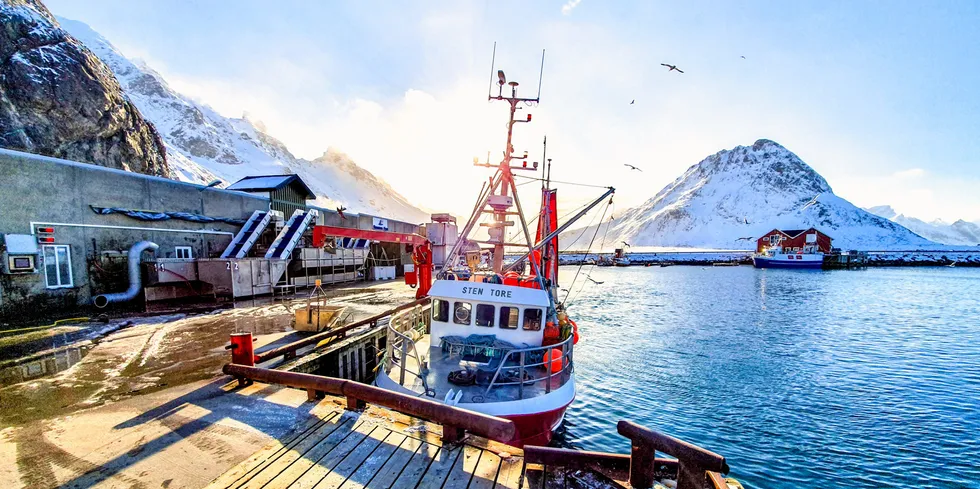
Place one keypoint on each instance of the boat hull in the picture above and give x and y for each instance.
(535, 419)
(813, 262)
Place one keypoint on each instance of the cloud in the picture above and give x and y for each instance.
(910, 173)
(568, 7)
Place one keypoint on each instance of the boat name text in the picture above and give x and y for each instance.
(506, 294)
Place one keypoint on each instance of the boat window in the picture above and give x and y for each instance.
(484, 315)
(461, 313)
(509, 317)
(532, 319)
(440, 310)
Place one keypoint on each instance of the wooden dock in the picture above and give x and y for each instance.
(367, 450)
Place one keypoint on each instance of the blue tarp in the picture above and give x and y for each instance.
(164, 216)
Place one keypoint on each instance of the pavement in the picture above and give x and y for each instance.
(146, 405)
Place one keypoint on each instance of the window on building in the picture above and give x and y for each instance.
(774, 239)
(532, 319)
(509, 317)
(440, 310)
(484, 315)
(57, 266)
(184, 252)
(461, 313)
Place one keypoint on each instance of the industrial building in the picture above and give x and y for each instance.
(70, 231)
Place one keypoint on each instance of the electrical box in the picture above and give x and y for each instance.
(19, 254)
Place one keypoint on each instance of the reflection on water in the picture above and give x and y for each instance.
(856, 379)
(43, 366)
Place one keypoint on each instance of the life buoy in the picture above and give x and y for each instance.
(552, 358)
(574, 332)
(552, 334)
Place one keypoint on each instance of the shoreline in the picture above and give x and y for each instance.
(910, 258)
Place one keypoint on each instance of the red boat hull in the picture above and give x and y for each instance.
(535, 428)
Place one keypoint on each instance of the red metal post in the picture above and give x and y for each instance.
(422, 257)
(242, 350)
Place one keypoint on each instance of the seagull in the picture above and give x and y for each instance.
(743, 57)
(810, 203)
(627, 244)
(744, 239)
(595, 281)
(632, 101)
(632, 167)
(340, 210)
(671, 67)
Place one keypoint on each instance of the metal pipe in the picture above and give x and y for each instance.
(484, 425)
(135, 279)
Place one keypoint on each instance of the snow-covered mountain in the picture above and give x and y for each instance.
(203, 145)
(734, 196)
(961, 232)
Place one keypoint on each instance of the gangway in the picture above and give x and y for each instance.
(248, 235)
(290, 234)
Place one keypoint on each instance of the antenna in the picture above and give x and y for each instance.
(540, 74)
(493, 59)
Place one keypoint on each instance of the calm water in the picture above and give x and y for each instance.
(799, 378)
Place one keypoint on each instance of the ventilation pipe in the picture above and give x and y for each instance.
(135, 280)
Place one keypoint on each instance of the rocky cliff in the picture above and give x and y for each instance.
(58, 99)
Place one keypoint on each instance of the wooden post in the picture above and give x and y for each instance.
(452, 434)
(642, 466)
(355, 404)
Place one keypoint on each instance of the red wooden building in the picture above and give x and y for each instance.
(795, 240)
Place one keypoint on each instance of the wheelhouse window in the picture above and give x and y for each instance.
(532, 319)
(183, 252)
(484, 315)
(461, 313)
(57, 266)
(440, 310)
(509, 317)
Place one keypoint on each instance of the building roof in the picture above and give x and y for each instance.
(792, 233)
(261, 183)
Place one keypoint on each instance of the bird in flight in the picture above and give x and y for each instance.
(595, 281)
(744, 239)
(632, 167)
(340, 210)
(810, 203)
(632, 101)
(743, 57)
(671, 67)
(627, 244)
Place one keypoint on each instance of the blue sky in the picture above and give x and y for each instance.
(881, 98)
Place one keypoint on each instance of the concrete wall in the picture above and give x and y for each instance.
(58, 193)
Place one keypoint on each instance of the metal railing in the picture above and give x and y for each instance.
(522, 367)
(409, 321)
(417, 320)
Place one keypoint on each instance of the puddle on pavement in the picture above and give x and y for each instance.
(43, 366)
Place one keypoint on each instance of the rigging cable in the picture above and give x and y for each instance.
(598, 254)
(574, 279)
(564, 183)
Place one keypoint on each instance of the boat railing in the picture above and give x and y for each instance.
(402, 330)
(524, 368)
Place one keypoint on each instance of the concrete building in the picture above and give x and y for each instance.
(78, 221)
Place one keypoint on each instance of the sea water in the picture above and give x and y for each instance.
(858, 379)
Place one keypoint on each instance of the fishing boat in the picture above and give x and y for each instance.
(777, 258)
(499, 342)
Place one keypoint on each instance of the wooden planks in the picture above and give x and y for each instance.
(361, 451)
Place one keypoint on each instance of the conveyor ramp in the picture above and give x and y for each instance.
(249, 234)
(290, 234)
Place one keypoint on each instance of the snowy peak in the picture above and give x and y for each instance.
(731, 197)
(960, 233)
(202, 145)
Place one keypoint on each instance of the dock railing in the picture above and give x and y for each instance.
(289, 350)
(455, 421)
(403, 329)
(694, 467)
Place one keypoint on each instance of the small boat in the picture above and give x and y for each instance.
(620, 259)
(779, 259)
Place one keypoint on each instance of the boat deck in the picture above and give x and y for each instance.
(440, 363)
(348, 450)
